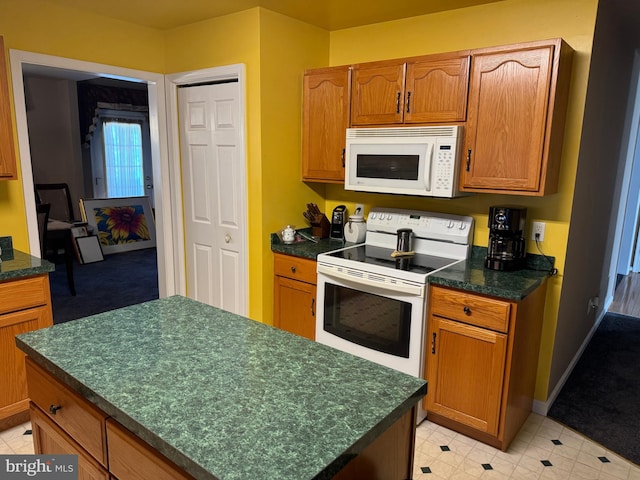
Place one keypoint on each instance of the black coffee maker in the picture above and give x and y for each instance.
(506, 249)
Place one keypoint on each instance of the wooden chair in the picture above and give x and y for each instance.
(59, 240)
(43, 219)
(58, 196)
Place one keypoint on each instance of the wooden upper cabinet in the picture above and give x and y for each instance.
(325, 118)
(378, 93)
(7, 151)
(436, 89)
(515, 119)
(427, 89)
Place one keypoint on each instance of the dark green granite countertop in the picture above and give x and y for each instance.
(16, 264)
(470, 275)
(222, 396)
(305, 248)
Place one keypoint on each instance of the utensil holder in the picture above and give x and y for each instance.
(320, 226)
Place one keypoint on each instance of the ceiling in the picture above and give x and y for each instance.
(327, 14)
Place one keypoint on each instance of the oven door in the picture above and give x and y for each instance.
(381, 324)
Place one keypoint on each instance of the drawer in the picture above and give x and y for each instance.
(24, 293)
(78, 418)
(49, 439)
(296, 268)
(472, 309)
(132, 459)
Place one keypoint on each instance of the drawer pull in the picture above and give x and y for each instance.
(433, 344)
(466, 310)
(293, 269)
(54, 408)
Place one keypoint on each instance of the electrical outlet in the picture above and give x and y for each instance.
(537, 231)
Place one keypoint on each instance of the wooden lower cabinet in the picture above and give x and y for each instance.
(481, 362)
(295, 295)
(25, 305)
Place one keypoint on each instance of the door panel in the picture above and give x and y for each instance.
(214, 195)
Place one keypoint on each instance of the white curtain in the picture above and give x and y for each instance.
(120, 152)
(122, 141)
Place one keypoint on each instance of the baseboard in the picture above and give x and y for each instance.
(543, 407)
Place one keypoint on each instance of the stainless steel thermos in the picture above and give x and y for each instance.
(405, 236)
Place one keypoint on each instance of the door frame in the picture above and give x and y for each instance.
(165, 225)
(173, 81)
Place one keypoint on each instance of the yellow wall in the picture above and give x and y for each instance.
(498, 23)
(288, 47)
(45, 28)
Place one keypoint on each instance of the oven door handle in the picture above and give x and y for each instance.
(402, 287)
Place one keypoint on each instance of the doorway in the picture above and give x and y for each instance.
(625, 287)
(159, 153)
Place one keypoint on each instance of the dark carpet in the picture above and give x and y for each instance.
(601, 398)
(122, 279)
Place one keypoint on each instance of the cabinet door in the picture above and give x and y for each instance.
(132, 459)
(7, 151)
(465, 370)
(48, 438)
(325, 119)
(13, 394)
(378, 93)
(295, 307)
(436, 90)
(507, 120)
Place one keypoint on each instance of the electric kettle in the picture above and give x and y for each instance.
(355, 230)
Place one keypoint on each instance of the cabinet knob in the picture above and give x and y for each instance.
(54, 408)
(466, 310)
(293, 269)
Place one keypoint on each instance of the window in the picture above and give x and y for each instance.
(121, 153)
(122, 140)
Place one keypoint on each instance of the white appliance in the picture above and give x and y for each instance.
(373, 305)
(404, 160)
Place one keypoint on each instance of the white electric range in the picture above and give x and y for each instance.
(374, 305)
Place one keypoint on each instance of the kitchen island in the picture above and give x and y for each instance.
(224, 397)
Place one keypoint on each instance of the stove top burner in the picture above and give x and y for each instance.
(372, 255)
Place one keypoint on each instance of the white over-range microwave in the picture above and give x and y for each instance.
(404, 160)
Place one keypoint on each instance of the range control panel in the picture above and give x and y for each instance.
(430, 225)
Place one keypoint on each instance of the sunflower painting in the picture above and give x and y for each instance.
(121, 223)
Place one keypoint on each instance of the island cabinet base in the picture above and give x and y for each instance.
(389, 457)
(64, 422)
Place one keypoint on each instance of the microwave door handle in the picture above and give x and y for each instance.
(427, 167)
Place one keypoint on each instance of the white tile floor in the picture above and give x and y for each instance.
(543, 449)
(444, 454)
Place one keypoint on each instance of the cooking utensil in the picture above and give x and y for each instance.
(308, 237)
